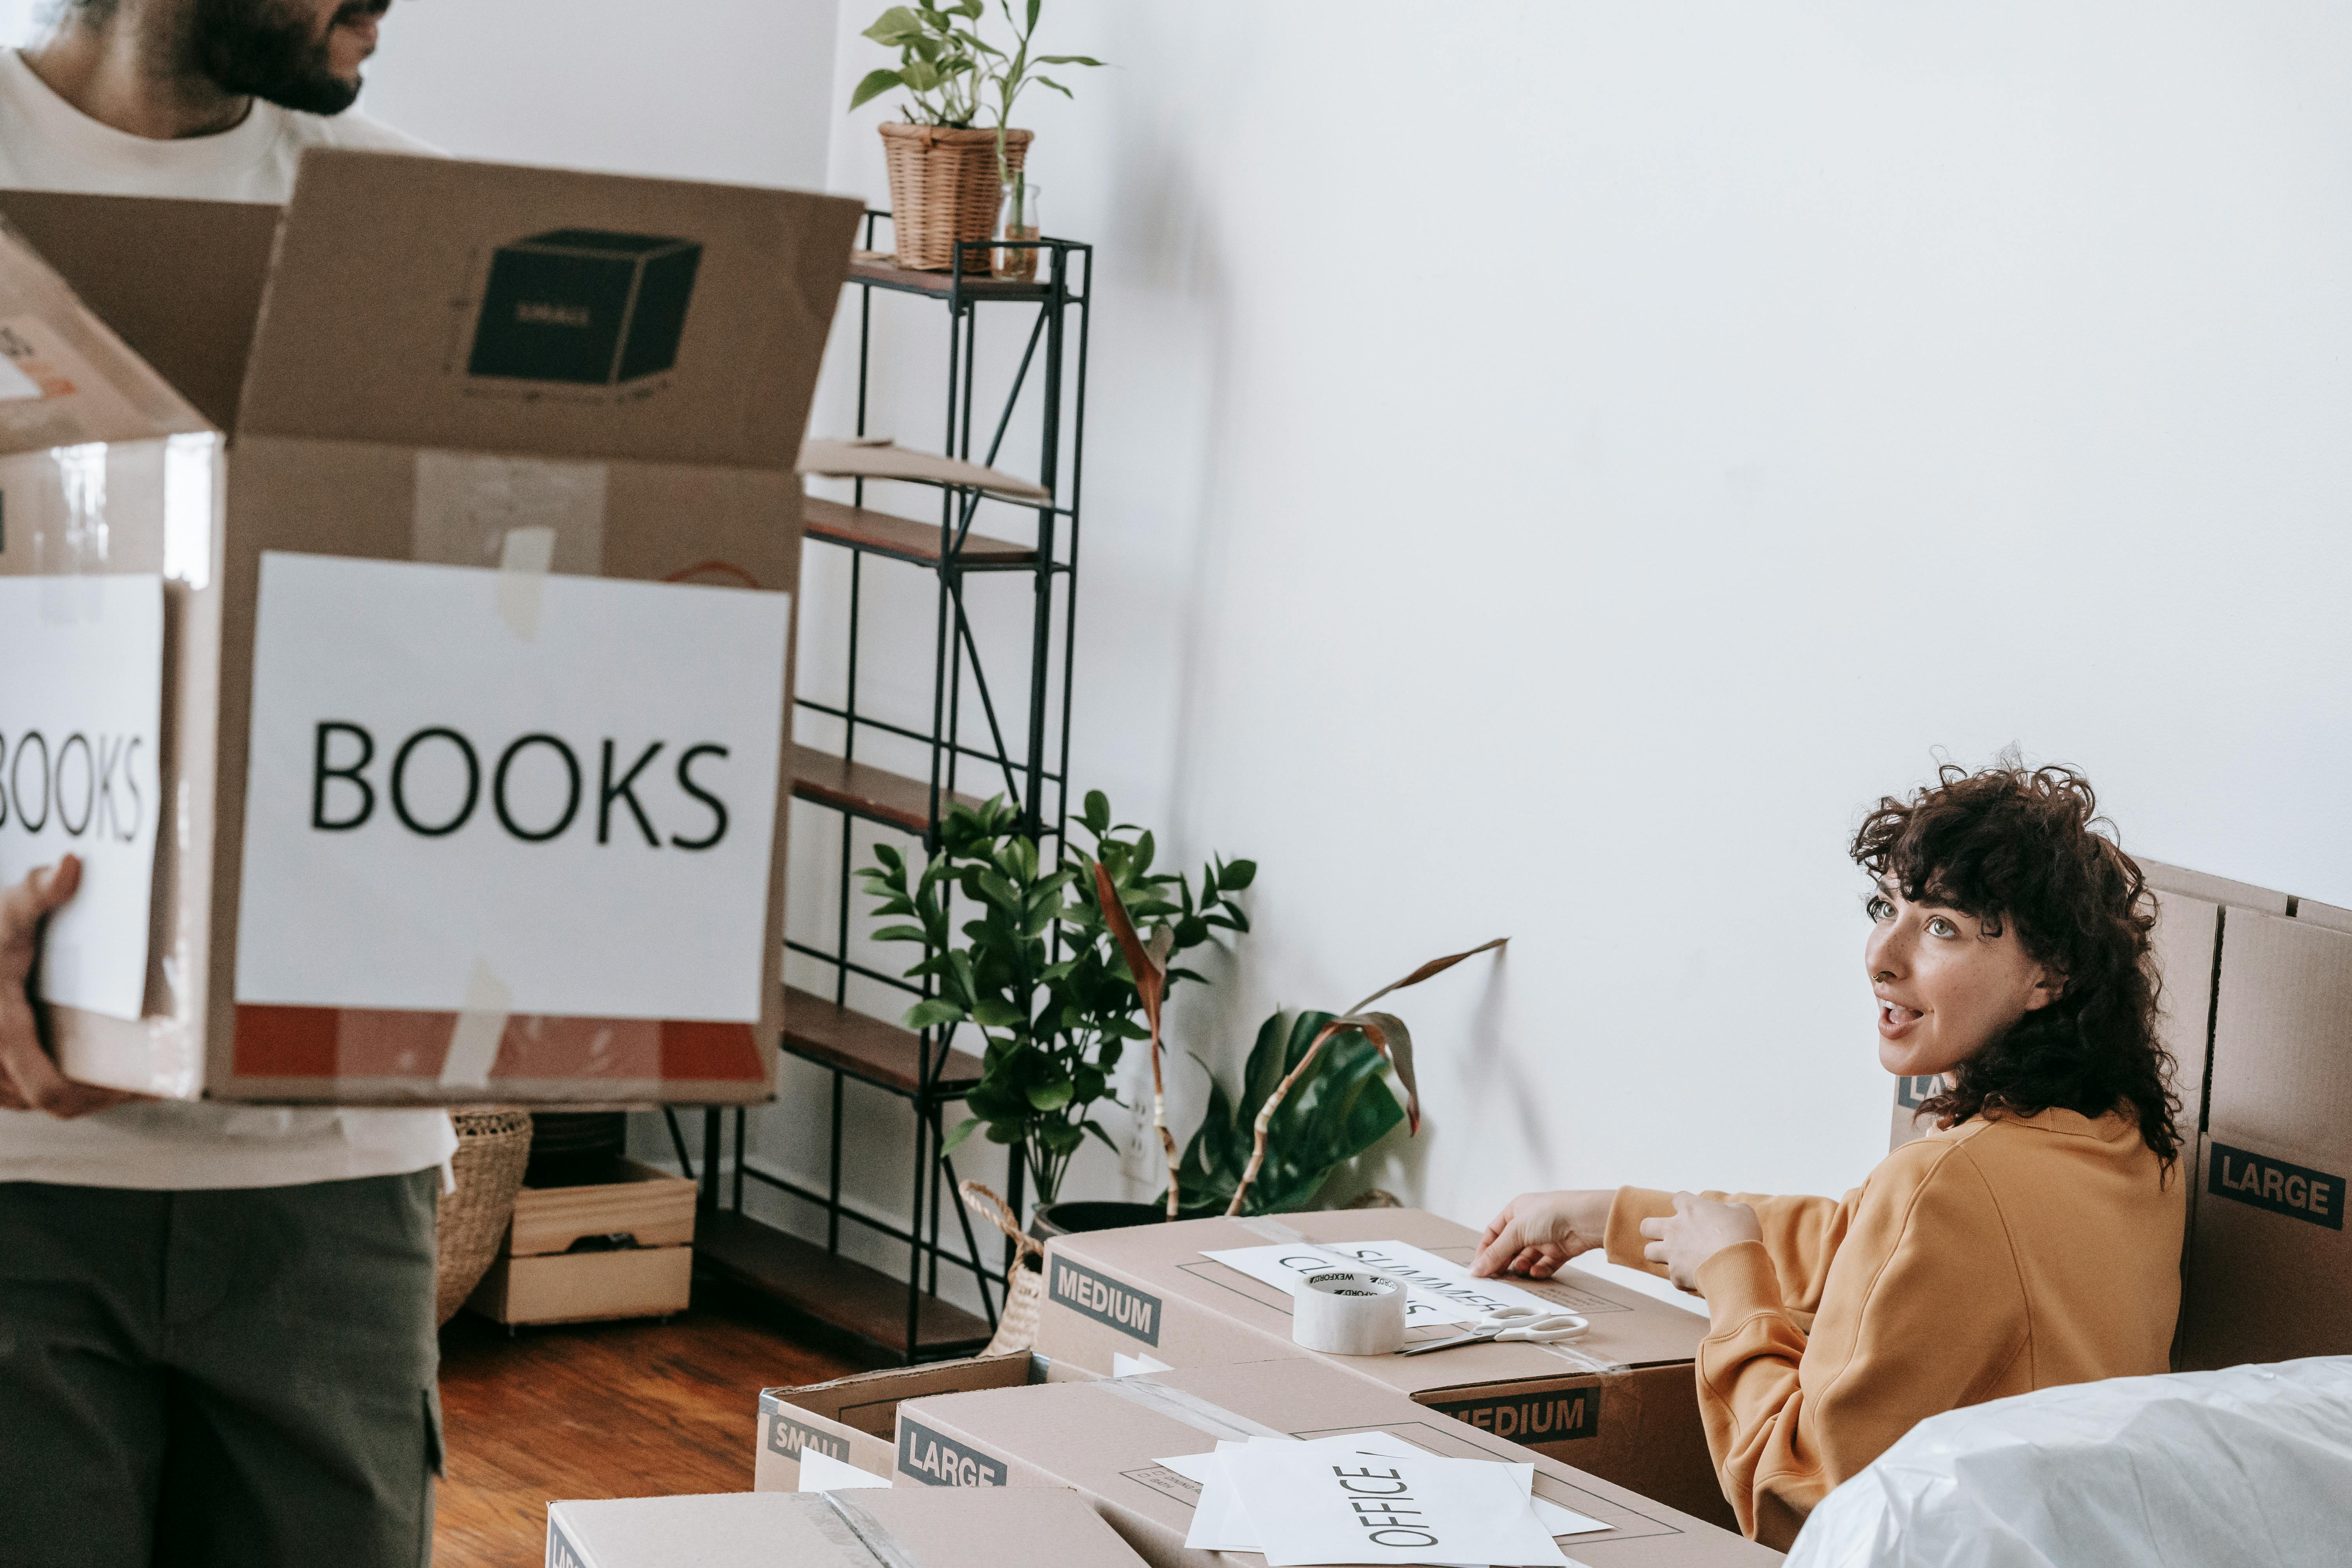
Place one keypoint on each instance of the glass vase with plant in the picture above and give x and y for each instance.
(1038, 971)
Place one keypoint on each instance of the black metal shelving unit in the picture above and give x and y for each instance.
(1023, 755)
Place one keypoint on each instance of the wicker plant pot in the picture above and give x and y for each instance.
(493, 1146)
(945, 187)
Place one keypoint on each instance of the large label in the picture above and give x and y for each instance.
(1550, 1417)
(938, 1461)
(500, 792)
(2294, 1191)
(81, 702)
(1104, 1300)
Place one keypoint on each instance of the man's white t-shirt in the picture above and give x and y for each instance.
(47, 145)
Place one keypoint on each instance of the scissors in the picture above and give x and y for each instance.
(1524, 1323)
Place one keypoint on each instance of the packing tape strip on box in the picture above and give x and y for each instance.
(1190, 1409)
(861, 1537)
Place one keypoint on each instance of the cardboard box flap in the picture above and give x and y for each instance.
(435, 303)
(129, 258)
(66, 378)
(863, 1529)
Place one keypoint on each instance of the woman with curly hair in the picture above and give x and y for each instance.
(2032, 1239)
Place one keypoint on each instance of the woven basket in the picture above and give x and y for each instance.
(944, 187)
(493, 1146)
(1017, 1326)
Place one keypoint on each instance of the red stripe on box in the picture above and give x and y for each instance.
(377, 1042)
(286, 1042)
(715, 1052)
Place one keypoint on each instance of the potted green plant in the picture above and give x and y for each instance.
(1054, 1026)
(1312, 1097)
(949, 173)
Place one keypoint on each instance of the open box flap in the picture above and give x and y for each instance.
(66, 379)
(439, 302)
(180, 281)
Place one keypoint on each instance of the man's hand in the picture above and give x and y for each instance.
(1698, 1229)
(1537, 1232)
(29, 1080)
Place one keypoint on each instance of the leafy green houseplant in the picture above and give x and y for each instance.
(1312, 1097)
(945, 187)
(1039, 972)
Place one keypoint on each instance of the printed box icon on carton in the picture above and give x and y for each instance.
(681, 484)
(583, 305)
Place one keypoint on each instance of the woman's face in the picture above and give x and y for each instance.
(1945, 988)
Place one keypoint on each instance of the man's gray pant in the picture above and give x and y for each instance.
(236, 1376)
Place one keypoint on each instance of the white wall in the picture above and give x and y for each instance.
(1551, 466)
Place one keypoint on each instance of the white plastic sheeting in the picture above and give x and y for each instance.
(2249, 1466)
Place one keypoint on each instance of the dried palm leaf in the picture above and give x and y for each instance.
(1389, 1037)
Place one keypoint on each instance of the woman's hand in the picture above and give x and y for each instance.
(1698, 1229)
(29, 1080)
(1537, 1232)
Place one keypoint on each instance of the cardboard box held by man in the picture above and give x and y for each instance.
(458, 507)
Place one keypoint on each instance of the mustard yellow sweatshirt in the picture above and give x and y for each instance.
(2002, 1256)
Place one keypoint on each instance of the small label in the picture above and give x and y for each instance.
(1106, 1301)
(1530, 1417)
(2294, 1191)
(936, 1461)
(1911, 1093)
(788, 1437)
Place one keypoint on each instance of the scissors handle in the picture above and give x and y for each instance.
(1548, 1330)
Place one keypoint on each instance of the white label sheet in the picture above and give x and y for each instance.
(1436, 1291)
(81, 704)
(1321, 1503)
(570, 811)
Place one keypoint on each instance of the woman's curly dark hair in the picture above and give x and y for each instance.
(2010, 844)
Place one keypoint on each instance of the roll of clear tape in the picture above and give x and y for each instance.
(1346, 1311)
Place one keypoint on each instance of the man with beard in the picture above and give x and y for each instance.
(216, 1322)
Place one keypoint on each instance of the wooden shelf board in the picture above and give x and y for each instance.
(867, 791)
(805, 1279)
(881, 268)
(903, 537)
(865, 1047)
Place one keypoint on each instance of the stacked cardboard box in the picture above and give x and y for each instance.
(1105, 1438)
(1620, 1403)
(851, 1530)
(539, 382)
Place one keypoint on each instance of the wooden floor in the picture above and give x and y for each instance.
(602, 1410)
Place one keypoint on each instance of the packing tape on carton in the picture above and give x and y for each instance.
(1348, 1311)
(863, 1541)
(1270, 1229)
(1211, 1420)
(474, 1042)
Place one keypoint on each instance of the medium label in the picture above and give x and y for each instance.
(1106, 1301)
(1911, 1093)
(1531, 1417)
(788, 1437)
(936, 1461)
(2294, 1191)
